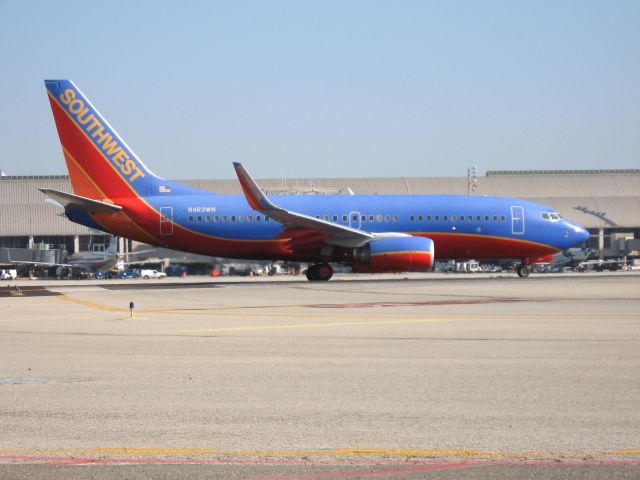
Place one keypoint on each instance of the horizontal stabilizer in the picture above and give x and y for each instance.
(84, 203)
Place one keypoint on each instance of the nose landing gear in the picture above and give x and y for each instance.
(320, 272)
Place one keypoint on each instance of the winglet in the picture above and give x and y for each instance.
(256, 198)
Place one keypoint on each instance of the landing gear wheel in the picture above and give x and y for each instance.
(311, 273)
(324, 272)
(523, 271)
(319, 272)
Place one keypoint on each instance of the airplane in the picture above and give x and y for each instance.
(81, 262)
(115, 192)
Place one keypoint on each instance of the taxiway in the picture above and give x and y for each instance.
(280, 378)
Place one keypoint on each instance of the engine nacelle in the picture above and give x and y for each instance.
(397, 254)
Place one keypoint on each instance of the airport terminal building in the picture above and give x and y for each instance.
(606, 202)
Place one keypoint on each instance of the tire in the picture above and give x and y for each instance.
(146, 277)
(523, 271)
(324, 272)
(311, 273)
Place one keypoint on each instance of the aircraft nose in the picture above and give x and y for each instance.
(576, 233)
(583, 235)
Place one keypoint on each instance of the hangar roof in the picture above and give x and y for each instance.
(609, 198)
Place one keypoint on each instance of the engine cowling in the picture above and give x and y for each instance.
(397, 254)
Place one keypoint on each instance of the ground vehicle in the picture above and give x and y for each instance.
(128, 274)
(470, 266)
(176, 271)
(601, 265)
(8, 274)
(147, 274)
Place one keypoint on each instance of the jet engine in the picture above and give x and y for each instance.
(395, 254)
(63, 272)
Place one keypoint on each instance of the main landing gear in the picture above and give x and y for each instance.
(523, 271)
(320, 272)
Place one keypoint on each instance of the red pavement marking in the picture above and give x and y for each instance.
(417, 304)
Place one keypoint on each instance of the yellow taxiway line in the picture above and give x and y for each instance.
(340, 452)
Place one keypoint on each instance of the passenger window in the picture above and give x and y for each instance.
(371, 218)
(233, 218)
(224, 218)
(379, 218)
(453, 218)
(325, 217)
(503, 218)
(428, 218)
(462, 218)
(249, 218)
(363, 218)
(215, 219)
(344, 218)
(437, 218)
(478, 218)
(190, 218)
(495, 218)
(395, 218)
(419, 218)
(445, 218)
(258, 218)
(354, 218)
(199, 218)
(412, 218)
(486, 218)
(387, 218)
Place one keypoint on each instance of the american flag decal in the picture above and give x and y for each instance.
(164, 189)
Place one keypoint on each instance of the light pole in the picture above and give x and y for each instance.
(472, 179)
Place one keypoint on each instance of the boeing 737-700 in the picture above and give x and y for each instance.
(116, 193)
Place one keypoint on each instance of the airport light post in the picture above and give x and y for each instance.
(472, 179)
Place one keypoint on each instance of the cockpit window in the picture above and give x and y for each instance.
(551, 216)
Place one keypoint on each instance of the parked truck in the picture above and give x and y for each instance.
(147, 274)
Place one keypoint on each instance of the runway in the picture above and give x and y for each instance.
(416, 376)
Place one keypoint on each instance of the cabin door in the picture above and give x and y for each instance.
(166, 220)
(517, 220)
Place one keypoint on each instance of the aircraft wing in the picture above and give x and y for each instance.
(88, 204)
(40, 264)
(333, 233)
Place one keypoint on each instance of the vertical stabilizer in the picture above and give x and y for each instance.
(101, 165)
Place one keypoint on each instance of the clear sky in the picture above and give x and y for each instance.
(330, 88)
